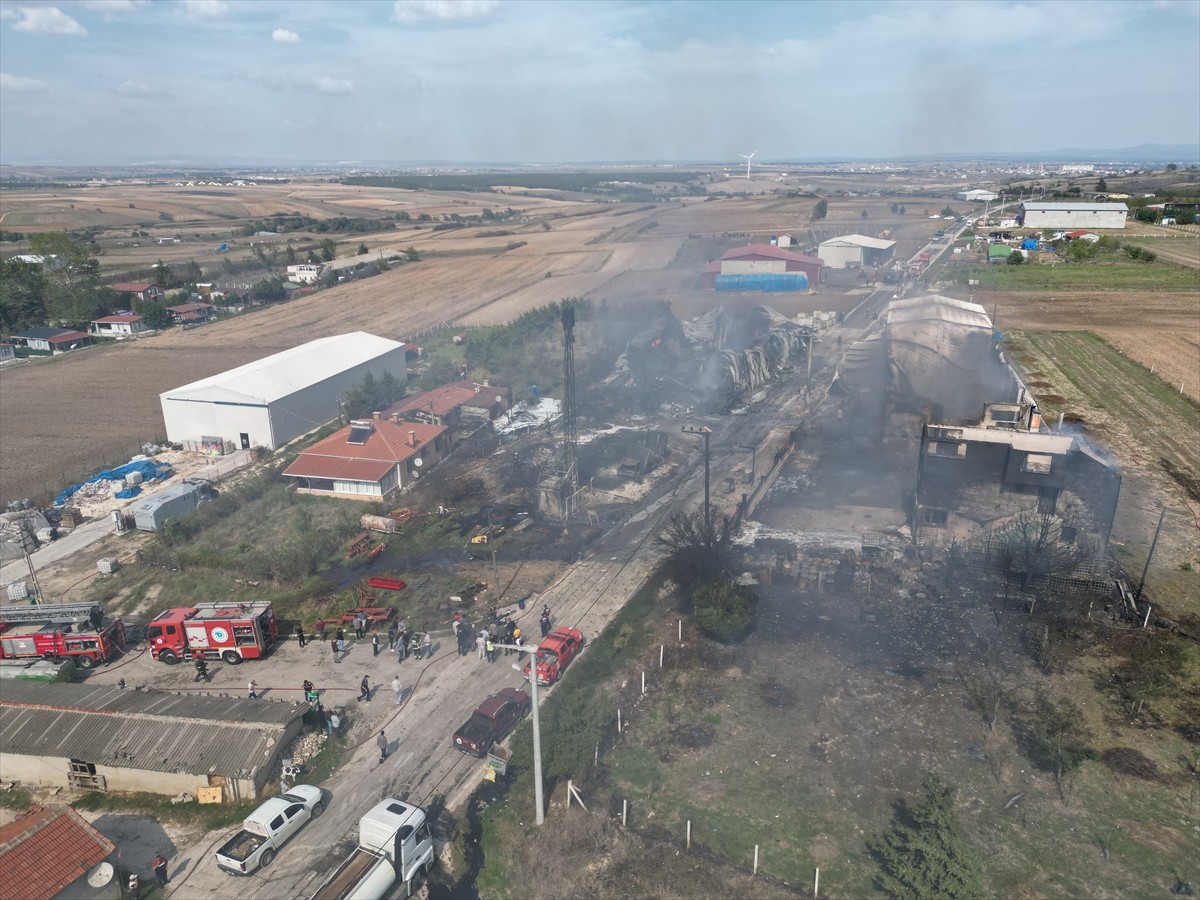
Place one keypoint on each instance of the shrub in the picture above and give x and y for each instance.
(724, 610)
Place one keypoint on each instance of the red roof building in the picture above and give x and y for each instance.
(45, 850)
(451, 403)
(370, 459)
(140, 289)
(121, 323)
(761, 258)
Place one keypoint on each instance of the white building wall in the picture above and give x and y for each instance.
(1072, 219)
(53, 772)
(189, 420)
(752, 266)
(839, 256)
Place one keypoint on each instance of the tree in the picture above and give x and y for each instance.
(698, 552)
(412, 255)
(821, 210)
(291, 254)
(864, 214)
(724, 610)
(71, 271)
(363, 249)
(923, 856)
(270, 290)
(328, 250)
(1102, 185)
(163, 276)
(153, 314)
(1016, 258)
(23, 292)
(1056, 737)
(192, 272)
(1036, 544)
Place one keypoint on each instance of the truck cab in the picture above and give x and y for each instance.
(394, 844)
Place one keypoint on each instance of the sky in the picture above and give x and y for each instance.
(108, 82)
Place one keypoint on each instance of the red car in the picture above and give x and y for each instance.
(555, 653)
(491, 721)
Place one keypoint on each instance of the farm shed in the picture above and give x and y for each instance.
(48, 852)
(273, 400)
(855, 251)
(977, 195)
(467, 402)
(1072, 215)
(369, 459)
(103, 738)
(763, 259)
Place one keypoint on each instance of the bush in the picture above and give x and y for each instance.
(724, 610)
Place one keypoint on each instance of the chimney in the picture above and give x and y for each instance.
(412, 439)
(375, 415)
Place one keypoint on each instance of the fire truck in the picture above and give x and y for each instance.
(228, 631)
(57, 630)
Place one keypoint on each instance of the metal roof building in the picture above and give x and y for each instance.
(104, 738)
(855, 250)
(275, 399)
(1072, 215)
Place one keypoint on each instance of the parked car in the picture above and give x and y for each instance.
(268, 828)
(491, 720)
(555, 653)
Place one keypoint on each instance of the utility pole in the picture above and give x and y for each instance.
(26, 540)
(1154, 543)
(537, 731)
(707, 432)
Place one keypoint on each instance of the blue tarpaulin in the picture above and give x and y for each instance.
(129, 493)
(769, 282)
(149, 468)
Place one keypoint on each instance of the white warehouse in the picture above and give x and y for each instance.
(1072, 215)
(269, 402)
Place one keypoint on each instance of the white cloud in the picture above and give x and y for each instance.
(111, 7)
(283, 36)
(43, 20)
(205, 9)
(327, 85)
(442, 10)
(133, 88)
(21, 83)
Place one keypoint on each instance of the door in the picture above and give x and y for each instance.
(245, 441)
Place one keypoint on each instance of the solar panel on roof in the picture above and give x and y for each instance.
(358, 434)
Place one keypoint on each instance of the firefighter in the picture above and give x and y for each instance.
(201, 669)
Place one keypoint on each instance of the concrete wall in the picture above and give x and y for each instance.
(839, 256)
(53, 772)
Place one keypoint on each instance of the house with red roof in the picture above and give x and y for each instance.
(370, 459)
(190, 313)
(55, 340)
(119, 324)
(141, 289)
(48, 851)
(454, 403)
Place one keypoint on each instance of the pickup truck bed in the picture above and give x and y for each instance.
(241, 845)
(349, 875)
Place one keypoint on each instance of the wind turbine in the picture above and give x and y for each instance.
(747, 159)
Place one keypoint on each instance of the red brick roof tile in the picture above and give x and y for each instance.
(44, 850)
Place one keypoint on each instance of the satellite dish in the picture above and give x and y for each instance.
(101, 875)
(418, 462)
(499, 399)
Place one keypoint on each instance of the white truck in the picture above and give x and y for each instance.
(394, 844)
(268, 828)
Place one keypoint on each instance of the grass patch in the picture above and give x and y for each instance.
(16, 798)
(1098, 276)
(210, 815)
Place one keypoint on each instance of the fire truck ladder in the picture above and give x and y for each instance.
(50, 612)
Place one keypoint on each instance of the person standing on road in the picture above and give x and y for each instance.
(520, 642)
(364, 689)
(374, 643)
(135, 890)
(427, 646)
(319, 628)
(201, 670)
(382, 741)
(480, 643)
(456, 626)
(333, 645)
(401, 641)
(392, 638)
(491, 650)
(545, 621)
(397, 689)
(341, 641)
(252, 687)
(160, 870)
(300, 633)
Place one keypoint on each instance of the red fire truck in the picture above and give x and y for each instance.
(229, 631)
(56, 630)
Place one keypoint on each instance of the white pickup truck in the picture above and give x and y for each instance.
(268, 828)
(394, 845)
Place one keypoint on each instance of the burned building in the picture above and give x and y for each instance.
(973, 479)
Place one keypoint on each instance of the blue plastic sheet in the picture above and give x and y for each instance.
(129, 493)
(150, 470)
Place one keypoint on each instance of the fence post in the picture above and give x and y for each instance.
(817, 884)
(755, 859)
(689, 835)
(618, 721)
(624, 811)
(643, 681)
(661, 648)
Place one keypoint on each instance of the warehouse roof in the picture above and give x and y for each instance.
(771, 252)
(937, 307)
(143, 729)
(859, 240)
(45, 849)
(275, 377)
(1075, 207)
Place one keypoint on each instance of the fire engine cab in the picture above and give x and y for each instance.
(228, 631)
(56, 630)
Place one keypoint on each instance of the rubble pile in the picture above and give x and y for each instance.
(305, 747)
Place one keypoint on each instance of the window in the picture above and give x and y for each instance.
(277, 823)
(949, 449)
(934, 517)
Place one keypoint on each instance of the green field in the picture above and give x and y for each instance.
(1100, 276)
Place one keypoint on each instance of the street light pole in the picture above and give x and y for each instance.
(537, 731)
(707, 432)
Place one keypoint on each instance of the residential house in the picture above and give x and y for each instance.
(141, 290)
(48, 852)
(120, 324)
(55, 340)
(190, 313)
(369, 459)
(304, 273)
(7, 352)
(453, 404)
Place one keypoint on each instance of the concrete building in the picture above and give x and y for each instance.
(55, 340)
(103, 738)
(856, 251)
(977, 195)
(370, 459)
(1072, 215)
(304, 273)
(276, 399)
(143, 290)
(119, 324)
(7, 352)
